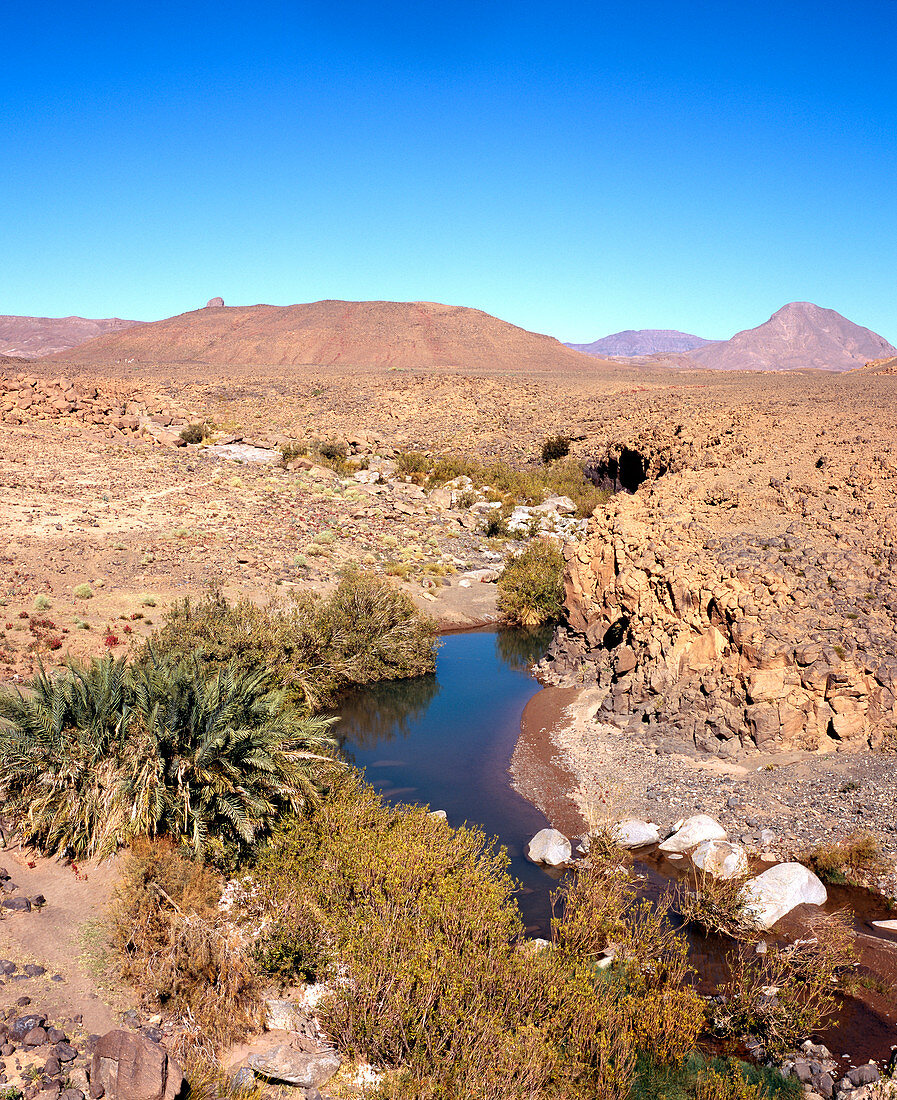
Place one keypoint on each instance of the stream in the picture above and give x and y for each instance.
(446, 740)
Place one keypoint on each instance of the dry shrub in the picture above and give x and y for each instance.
(785, 994)
(715, 904)
(179, 950)
(847, 861)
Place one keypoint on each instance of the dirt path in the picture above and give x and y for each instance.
(65, 936)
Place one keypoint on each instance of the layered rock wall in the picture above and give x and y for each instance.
(742, 616)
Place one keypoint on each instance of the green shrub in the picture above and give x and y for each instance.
(42, 603)
(412, 462)
(105, 752)
(419, 922)
(196, 433)
(555, 447)
(531, 587)
(366, 630)
(82, 592)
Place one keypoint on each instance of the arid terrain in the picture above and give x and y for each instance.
(729, 635)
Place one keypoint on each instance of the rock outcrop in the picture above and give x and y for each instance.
(738, 609)
(113, 409)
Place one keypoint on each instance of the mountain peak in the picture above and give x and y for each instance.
(799, 336)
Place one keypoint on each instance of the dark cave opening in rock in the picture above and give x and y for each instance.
(619, 473)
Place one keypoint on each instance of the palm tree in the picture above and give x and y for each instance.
(103, 753)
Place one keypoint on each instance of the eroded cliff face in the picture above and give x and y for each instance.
(743, 610)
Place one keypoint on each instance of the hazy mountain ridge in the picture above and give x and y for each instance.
(35, 337)
(643, 341)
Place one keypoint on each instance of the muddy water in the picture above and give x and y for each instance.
(447, 741)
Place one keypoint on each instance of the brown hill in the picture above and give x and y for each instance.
(799, 336)
(345, 334)
(35, 337)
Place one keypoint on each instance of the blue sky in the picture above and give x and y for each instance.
(576, 168)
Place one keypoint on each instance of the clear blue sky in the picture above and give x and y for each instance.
(576, 168)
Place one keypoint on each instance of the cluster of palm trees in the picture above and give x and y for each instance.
(105, 752)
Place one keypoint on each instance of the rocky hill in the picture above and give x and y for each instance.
(643, 341)
(350, 335)
(34, 337)
(743, 596)
(800, 336)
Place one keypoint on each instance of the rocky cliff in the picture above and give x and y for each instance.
(738, 607)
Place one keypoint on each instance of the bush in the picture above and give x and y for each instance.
(82, 592)
(805, 976)
(196, 433)
(104, 753)
(174, 943)
(848, 861)
(42, 603)
(412, 462)
(435, 981)
(531, 587)
(366, 630)
(556, 446)
(495, 526)
(714, 904)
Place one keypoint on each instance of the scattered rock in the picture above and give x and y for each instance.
(691, 832)
(295, 1067)
(778, 890)
(636, 834)
(720, 858)
(550, 847)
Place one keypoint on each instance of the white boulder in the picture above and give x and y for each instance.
(691, 832)
(550, 847)
(778, 890)
(635, 834)
(720, 858)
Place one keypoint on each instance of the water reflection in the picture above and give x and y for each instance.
(380, 713)
(521, 649)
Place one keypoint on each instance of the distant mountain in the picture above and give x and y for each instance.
(800, 336)
(348, 334)
(642, 341)
(34, 337)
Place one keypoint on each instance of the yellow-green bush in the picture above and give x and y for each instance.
(420, 923)
(366, 630)
(531, 587)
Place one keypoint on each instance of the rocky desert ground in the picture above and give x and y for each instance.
(729, 640)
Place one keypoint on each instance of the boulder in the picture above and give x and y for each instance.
(128, 1066)
(635, 834)
(214, 303)
(720, 858)
(295, 1067)
(280, 1015)
(691, 832)
(778, 890)
(550, 847)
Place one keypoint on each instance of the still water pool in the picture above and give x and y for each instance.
(447, 739)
